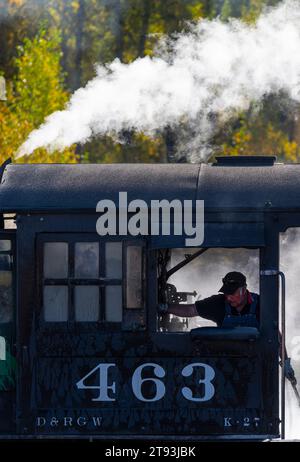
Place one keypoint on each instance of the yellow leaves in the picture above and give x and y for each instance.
(42, 156)
(39, 77)
(35, 93)
(291, 151)
(251, 11)
(157, 25)
(259, 138)
(240, 143)
(196, 11)
(152, 147)
(75, 6)
(16, 2)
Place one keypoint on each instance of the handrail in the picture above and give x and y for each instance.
(283, 356)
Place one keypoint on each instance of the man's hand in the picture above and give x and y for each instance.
(162, 308)
(289, 371)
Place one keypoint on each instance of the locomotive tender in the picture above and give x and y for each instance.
(84, 352)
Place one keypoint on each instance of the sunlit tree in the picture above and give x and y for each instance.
(35, 92)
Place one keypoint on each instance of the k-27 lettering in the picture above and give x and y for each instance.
(106, 388)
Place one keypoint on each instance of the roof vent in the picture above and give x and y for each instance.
(244, 161)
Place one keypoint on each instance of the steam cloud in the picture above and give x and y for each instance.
(214, 70)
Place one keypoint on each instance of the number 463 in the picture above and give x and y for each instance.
(107, 392)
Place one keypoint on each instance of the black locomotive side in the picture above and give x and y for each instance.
(85, 353)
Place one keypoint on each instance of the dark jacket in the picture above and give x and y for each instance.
(213, 308)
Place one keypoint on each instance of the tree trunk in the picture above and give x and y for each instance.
(79, 44)
(119, 31)
(64, 37)
(3, 34)
(170, 144)
(144, 29)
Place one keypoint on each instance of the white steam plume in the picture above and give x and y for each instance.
(215, 68)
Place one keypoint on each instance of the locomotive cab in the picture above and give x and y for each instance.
(84, 351)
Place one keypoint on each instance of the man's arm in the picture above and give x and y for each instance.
(211, 308)
(184, 311)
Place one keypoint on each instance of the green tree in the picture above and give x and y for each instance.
(262, 133)
(18, 19)
(251, 9)
(226, 11)
(35, 92)
(94, 31)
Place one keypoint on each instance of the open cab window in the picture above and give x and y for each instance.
(198, 279)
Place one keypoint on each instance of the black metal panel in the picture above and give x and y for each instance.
(234, 235)
(261, 188)
(8, 367)
(235, 408)
(230, 234)
(63, 187)
(80, 187)
(52, 360)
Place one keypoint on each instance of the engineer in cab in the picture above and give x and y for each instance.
(234, 306)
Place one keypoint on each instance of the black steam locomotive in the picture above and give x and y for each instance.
(83, 350)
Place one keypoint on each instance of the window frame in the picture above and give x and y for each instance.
(71, 282)
(260, 257)
(126, 245)
(8, 329)
(11, 254)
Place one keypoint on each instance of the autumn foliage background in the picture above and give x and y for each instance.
(48, 49)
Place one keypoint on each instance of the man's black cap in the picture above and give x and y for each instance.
(232, 281)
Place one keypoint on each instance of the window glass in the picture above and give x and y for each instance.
(87, 260)
(5, 245)
(113, 260)
(113, 298)
(134, 277)
(56, 303)
(202, 278)
(6, 297)
(87, 303)
(55, 260)
(5, 262)
(9, 222)
(68, 297)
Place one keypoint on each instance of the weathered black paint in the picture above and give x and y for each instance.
(8, 369)
(51, 358)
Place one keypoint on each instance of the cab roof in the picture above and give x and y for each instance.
(79, 187)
